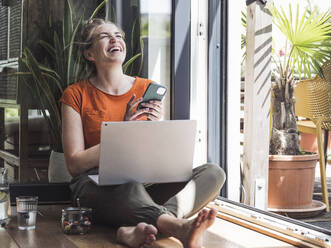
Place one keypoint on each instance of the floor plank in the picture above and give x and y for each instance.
(6, 240)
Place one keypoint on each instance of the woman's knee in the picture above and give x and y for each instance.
(219, 173)
(214, 174)
(132, 190)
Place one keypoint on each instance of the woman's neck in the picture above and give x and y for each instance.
(112, 80)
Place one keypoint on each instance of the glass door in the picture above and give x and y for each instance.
(147, 26)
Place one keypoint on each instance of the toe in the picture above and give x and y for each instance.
(204, 211)
(201, 217)
(140, 227)
(150, 238)
(150, 229)
(212, 214)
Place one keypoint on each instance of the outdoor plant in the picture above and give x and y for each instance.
(60, 67)
(308, 46)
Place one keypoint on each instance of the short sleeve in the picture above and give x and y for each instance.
(72, 96)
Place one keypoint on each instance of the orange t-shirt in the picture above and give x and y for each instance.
(95, 106)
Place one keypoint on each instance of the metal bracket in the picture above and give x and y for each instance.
(248, 2)
(202, 30)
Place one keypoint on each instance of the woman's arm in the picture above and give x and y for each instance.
(78, 159)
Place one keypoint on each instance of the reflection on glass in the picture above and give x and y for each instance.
(37, 147)
(147, 27)
(146, 24)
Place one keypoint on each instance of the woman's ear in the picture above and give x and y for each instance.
(88, 55)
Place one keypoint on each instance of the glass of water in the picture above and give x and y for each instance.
(27, 207)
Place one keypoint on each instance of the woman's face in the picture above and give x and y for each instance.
(107, 45)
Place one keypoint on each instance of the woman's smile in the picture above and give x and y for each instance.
(114, 49)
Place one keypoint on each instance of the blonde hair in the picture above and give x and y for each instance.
(86, 39)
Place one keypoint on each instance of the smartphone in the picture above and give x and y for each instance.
(154, 91)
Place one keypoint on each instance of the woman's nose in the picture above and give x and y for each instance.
(112, 39)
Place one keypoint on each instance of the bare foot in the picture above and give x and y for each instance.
(139, 236)
(193, 230)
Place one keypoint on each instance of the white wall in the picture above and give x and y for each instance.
(199, 61)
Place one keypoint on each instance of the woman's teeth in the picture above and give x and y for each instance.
(114, 49)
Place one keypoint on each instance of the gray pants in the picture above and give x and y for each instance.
(131, 203)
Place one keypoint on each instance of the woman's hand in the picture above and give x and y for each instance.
(152, 110)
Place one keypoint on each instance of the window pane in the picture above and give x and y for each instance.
(147, 25)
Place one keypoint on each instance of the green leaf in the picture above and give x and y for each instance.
(309, 38)
(49, 70)
(41, 91)
(21, 73)
(59, 58)
(67, 25)
(142, 55)
(77, 68)
(130, 61)
(95, 12)
(56, 81)
(39, 78)
(70, 64)
(48, 47)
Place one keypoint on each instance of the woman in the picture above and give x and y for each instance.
(109, 95)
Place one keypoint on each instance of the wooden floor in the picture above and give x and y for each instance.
(48, 234)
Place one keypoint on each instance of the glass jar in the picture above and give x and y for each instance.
(5, 210)
(76, 220)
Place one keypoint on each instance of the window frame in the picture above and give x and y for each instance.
(180, 72)
(218, 85)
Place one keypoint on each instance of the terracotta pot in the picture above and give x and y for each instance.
(291, 181)
(309, 142)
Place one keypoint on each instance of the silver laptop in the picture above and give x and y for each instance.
(146, 151)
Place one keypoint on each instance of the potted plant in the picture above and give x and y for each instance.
(61, 66)
(307, 48)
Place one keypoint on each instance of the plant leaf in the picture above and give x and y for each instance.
(95, 12)
(67, 25)
(309, 38)
(130, 61)
(70, 64)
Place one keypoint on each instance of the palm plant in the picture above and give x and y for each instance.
(62, 66)
(308, 46)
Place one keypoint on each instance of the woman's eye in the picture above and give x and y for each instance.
(108, 36)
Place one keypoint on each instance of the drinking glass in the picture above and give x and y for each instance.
(26, 212)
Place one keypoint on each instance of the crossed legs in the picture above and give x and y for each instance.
(141, 215)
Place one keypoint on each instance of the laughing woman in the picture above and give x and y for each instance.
(107, 94)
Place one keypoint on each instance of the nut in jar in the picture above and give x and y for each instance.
(76, 220)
